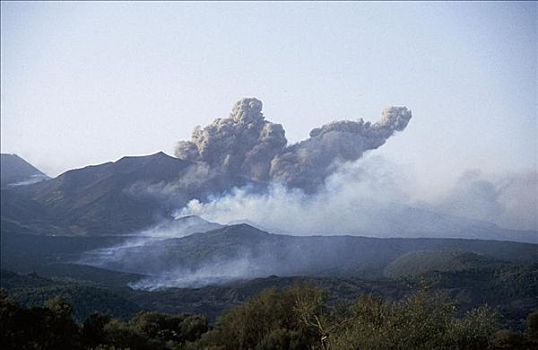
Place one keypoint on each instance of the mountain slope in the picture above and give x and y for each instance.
(420, 262)
(15, 170)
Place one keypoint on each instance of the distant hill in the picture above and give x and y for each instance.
(237, 252)
(242, 251)
(34, 290)
(406, 221)
(17, 171)
(112, 198)
(419, 262)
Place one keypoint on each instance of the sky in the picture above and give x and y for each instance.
(89, 82)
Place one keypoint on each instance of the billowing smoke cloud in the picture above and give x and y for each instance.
(245, 144)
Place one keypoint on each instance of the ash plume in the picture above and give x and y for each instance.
(245, 144)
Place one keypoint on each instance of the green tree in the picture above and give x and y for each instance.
(506, 339)
(93, 332)
(532, 327)
(269, 319)
(176, 328)
(422, 321)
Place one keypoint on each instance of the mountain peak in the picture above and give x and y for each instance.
(158, 155)
(243, 229)
(16, 170)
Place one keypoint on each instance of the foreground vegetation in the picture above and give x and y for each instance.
(295, 318)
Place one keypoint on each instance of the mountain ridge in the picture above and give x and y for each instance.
(110, 198)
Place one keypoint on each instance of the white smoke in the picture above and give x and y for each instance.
(211, 273)
(375, 198)
(353, 201)
(30, 181)
(120, 256)
(509, 200)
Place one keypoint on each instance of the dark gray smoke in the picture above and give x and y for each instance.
(245, 144)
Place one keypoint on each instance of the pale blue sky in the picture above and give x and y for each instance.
(84, 83)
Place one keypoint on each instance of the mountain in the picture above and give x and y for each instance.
(16, 171)
(119, 197)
